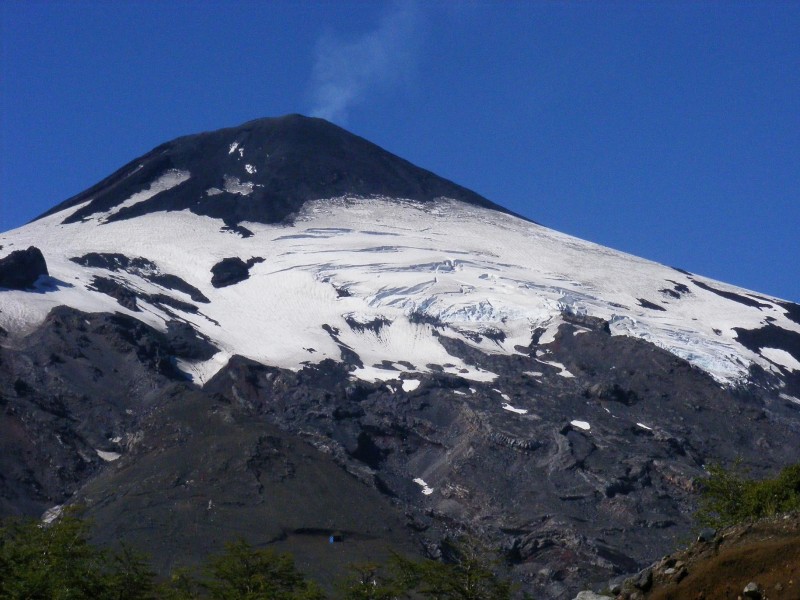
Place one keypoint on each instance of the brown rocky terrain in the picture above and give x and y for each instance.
(726, 566)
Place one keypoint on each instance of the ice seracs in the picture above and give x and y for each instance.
(389, 277)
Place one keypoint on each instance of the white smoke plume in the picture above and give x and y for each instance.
(348, 71)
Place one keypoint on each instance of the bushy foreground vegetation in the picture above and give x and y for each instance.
(729, 497)
(57, 562)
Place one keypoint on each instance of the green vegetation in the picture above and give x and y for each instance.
(470, 573)
(729, 497)
(57, 562)
(244, 572)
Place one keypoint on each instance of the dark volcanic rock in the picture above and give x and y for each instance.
(125, 296)
(264, 171)
(186, 343)
(550, 489)
(142, 267)
(113, 261)
(230, 271)
(651, 305)
(253, 481)
(20, 269)
(74, 386)
(277, 455)
(746, 300)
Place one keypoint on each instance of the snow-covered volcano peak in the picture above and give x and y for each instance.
(290, 241)
(262, 171)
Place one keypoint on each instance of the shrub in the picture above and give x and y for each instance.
(729, 497)
(57, 562)
(246, 573)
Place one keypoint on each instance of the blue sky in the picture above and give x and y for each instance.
(669, 130)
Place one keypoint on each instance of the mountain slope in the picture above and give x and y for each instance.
(262, 171)
(465, 368)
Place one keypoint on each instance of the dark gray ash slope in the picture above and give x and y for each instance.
(295, 159)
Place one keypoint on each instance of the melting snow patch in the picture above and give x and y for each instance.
(107, 456)
(232, 148)
(563, 372)
(643, 426)
(790, 398)
(234, 186)
(460, 393)
(781, 357)
(250, 169)
(427, 490)
(213, 191)
(409, 385)
(581, 425)
(52, 513)
(519, 411)
(502, 395)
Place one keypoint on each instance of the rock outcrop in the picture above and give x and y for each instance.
(20, 269)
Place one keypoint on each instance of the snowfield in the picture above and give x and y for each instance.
(377, 276)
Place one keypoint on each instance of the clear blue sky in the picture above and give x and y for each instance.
(669, 130)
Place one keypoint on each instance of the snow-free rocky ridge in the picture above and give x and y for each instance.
(242, 328)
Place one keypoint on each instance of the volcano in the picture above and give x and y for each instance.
(283, 332)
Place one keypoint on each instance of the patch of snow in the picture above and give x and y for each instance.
(52, 513)
(460, 393)
(643, 426)
(781, 357)
(213, 191)
(790, 398)
(581, 425)
(563, 372)
(108, 456)
(426, 489)
(167, 181)
(551, 329)
(232, 148)
(201, 371)
(250, 169)
(409, 385)
(502, 395)
(519, 411)
(234, 186)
